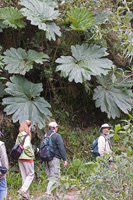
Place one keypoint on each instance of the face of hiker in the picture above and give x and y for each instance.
(55, 129)
(105, 131)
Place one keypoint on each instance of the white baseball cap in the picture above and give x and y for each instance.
(104, 126)
(53, 124)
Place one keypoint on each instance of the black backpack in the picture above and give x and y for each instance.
(17, 150)
(46, 151)
(94, 148)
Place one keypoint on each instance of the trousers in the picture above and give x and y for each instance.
(27, 173)
(3, 188)
(52, 170)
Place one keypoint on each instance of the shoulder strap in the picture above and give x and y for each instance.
(49, 135)
(24, 140)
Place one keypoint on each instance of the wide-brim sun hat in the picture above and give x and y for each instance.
(105, 126)
(53, 124)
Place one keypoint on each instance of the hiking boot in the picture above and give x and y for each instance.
(25, 196)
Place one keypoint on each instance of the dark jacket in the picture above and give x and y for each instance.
(58, 145)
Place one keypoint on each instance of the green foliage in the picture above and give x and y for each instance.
(111, 97)
(40, 180)
(19, 61)
(12, 17)
(75, 169)
(81, 19)
(129, 50)
(2, 92)
(25, 102)
(2, 26)
(101, 17)
(97, 25)
(100, 180)
(14, 178)
(42, 14)
(124, 133)
(110, 181)
(1, 63)
(84, 62)
(2, 86)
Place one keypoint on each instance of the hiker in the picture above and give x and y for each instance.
(3, 170)
(26, 159)
(52, 168)
(103, 141)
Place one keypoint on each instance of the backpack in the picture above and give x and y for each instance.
(94, 148)
(46, 151)
(17, 150)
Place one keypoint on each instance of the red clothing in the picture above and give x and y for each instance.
(26, 160)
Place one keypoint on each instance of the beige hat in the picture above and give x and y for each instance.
(53, 124)
(104, 126)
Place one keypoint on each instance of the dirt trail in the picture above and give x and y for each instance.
(71, 195)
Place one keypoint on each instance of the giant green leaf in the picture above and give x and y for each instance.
(12, 17)
(26, 102)
(81, 19)
(20, 61)
(84, 62)
(111, 97)
(41, 14)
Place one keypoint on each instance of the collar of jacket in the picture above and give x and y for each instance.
(105, 136)
(49, 132)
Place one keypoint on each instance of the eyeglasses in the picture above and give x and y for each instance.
(106, 129)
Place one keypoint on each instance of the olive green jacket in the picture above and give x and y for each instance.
(28, 150)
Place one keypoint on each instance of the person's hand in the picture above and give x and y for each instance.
(65, 163)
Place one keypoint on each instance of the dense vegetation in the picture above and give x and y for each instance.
(70, 61)
(68, 54)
